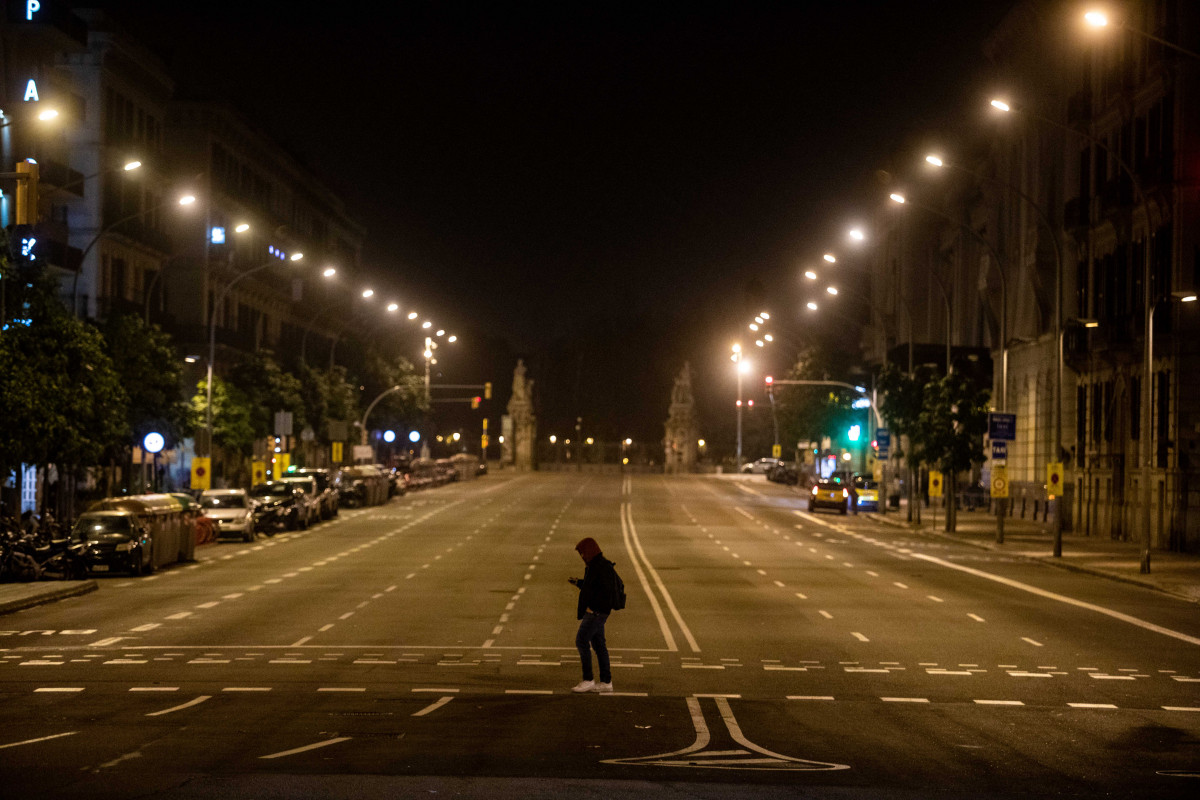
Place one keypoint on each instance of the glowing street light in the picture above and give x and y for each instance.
(932, 159)
(412, 315)
(812, 276)
(187, 200)
(896, 197)
(329, 272)
(295, 256)
(368, 293)
(811, 306)
(131, 165)
(393, 307)
(830, 257)
(242, 228)
(48, 114)
(1000, 104)
(832, 290)
(857, 234)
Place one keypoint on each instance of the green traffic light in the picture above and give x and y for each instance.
(854, 432)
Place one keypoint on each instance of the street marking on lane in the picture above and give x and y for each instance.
(39, 739)
(1181, 708)
(154, 688)
(302, 641)
(899, 584)
(1149, 626)
(1017, 674)
(1033, 642)
(825, 614)
(976, 617)
(59, 689)
(859, 636)
(1091, 705)
(246, 689)
(935, 599)
(307, 748)
(106, 642)
(341, 689)
(905, 699)
(802, 596)
(999, 702)
(149, 626)
(529, 691)
(809, 697)
(429, 709)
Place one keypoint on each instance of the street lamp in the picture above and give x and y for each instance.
(212, 338)
(1098, 18)
(1148, 314)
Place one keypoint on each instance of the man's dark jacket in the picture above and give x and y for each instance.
(596, 588)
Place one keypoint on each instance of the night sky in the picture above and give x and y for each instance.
(598, 187)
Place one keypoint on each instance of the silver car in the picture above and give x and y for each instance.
(232, 512)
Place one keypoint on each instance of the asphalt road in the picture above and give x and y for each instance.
(426, 648)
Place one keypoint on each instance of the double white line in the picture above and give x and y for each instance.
(643, 567)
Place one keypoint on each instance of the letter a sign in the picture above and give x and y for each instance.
(1054, 479)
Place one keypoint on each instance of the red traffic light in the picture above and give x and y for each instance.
(769, 380)
(475, 401)
(750, 403)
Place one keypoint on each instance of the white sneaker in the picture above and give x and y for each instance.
(604, 688)
(585, 686)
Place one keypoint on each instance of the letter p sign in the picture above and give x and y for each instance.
(31, 8)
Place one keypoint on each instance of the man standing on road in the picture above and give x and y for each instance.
(595, 604)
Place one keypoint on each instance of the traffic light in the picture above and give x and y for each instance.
(854, 432)
(487, 391)
(22, 246)
(769, 379)
(475, 401)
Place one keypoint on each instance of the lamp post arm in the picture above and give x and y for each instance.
(99, 235)
(371, 407)
(1159, 39)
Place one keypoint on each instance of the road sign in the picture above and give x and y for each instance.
(1002, 426)
(776, 451)
(1000, 450)
(258, 472)
(282, 462)
(283, 423)
(999, 481)
(202, 473)
(1054, 478)
(935, 483)
(335, 454)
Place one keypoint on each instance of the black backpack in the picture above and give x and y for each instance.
(618, 591)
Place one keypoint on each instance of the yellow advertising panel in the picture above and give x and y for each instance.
(1054, 478)
(282, 462)
(776, 451)
(999, 482)
(201, 473)
(336, 454)
(258, 472)
(935, 483)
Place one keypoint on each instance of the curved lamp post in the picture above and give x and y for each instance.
(212, 336)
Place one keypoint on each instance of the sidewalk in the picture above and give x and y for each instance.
(1175, 573)
(16, 596)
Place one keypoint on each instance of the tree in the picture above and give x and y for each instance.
(808, 413)
(233, 425)
(951, 426)
(267, 389)
(903, 400)
(61, 400)
(404, 407)
(151, 373)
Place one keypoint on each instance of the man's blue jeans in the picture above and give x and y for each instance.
(591, 637)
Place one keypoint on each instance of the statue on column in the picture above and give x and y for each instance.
(682, 431)
(524, 423)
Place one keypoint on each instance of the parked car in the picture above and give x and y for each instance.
(116, 541)
(760, 466)
(310, 499)
(279, 506)
(784, 473)
(829, 494)
(327, 490)
(232, 512)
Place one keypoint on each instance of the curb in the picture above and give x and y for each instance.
(1049, 561)
(74, 589)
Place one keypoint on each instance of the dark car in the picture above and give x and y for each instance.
(829, 494)
(116, 541)
(784, 473)
(279, 505)
(327, 490)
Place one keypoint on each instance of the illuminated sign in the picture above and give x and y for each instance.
(32, 7)
(414, 436)
(31, 91)
(27, 245)
(153, 443)
(217, 235)
(389, 436)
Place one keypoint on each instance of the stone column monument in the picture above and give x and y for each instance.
(524, 423)
(682, 431)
